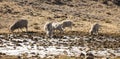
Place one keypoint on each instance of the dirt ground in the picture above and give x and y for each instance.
(83, 13)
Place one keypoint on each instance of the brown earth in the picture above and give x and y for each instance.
(82, 12)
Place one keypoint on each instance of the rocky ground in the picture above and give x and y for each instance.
(35, 45)
(82, 12)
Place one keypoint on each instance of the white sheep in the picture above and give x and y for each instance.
(57, 26)
(19, 25)
(51, 27)
(94, 29)
(67, 23)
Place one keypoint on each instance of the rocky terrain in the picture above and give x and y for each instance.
(30, 45)
(73, 43)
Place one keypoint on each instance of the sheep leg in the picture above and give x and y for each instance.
(49, 34)
(26, 29)
(61, 31)
(71, 27)
(97, 33)
(18, 30)
(21, 29)
(90, 31)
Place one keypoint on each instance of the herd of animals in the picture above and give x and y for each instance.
(51, 27)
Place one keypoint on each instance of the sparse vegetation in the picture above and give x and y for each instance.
(44, 11)
(107, 21)
(82, 12)
(37, 27)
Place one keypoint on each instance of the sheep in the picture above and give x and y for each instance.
(67, 23)
(22, 23)
(48, 28)
(94, 29)
(57, 26)
(89, 56)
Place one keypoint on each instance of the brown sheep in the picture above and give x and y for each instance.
(19, 25)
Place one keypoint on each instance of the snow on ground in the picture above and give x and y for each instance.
(50, 47)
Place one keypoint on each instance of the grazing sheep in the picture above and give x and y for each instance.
(89, 56)
(67, 23)
(48, 28)
(82, 56)
(94, 29)
(57, 26)
(19, 25)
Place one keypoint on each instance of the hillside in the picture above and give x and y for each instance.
(82, 12)
(73, 44)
